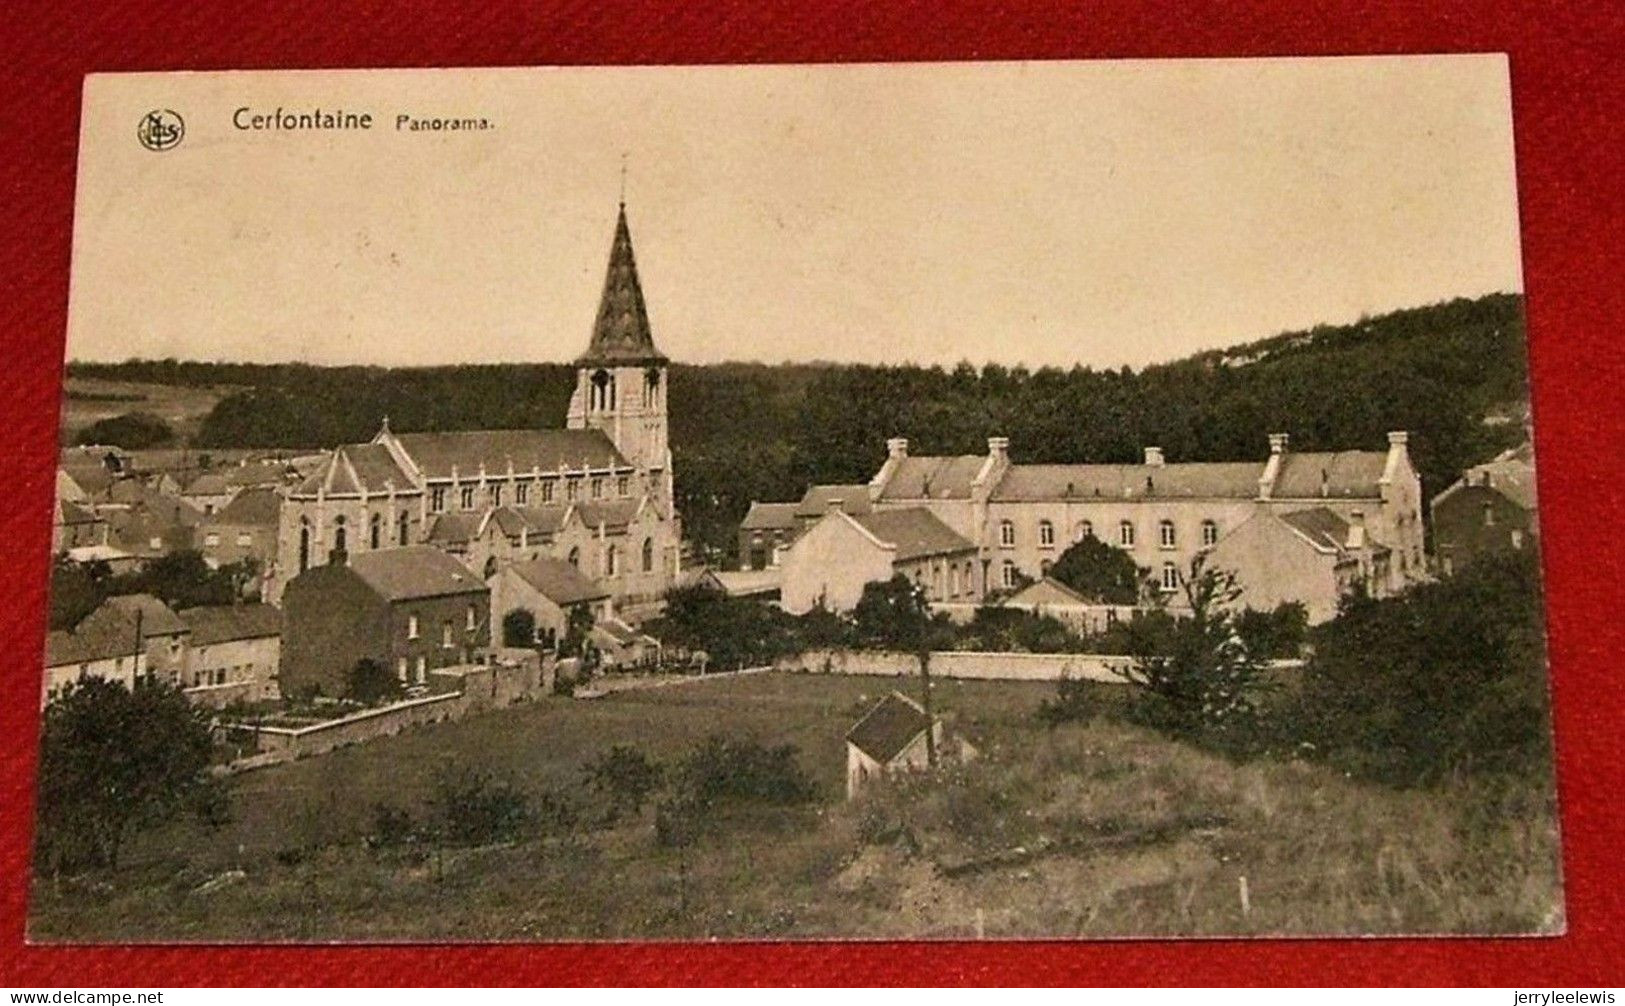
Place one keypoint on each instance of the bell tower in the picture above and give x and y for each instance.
(621, 378)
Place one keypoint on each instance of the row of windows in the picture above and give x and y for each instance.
(949, 581)
(611, 560)
(341, 535)
(1167, 533)
(1010, 575)
(468, 498)
(471, 623)
(244, 539)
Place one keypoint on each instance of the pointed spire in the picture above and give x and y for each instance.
(621, 334)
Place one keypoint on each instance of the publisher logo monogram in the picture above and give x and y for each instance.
(160, 129)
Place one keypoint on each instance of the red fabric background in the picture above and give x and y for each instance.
(1567, 77)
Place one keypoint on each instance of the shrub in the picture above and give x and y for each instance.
(370, 683)
(1275, 635)
(391, 825)
(472, 808)
(1447, 678)
(721, 770)
(623, 777)
(1097, 570)
(133, 431)
(519, 628)
(1076, 701)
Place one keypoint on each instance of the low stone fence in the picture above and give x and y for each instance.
(998, 666)
(454, 692)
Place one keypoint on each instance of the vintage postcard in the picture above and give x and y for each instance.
(1009, 500)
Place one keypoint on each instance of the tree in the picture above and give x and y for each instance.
(577, 642)
(519, 628)
(1447, 678)
(1098, 571)
(132, 431)
(1200, 677)
(114, 760)
(75, 593)
(183, 580)
(369, 683)
(896, 615)
(624, 777)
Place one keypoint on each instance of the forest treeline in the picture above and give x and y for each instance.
(743, 431)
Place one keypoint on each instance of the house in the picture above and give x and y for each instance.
(105, 648)
(498, 496)
(891, 738)
(1491, 508)
(412, 609)
(165, 637)
(1162, 513)
(116, 559)
(756, 584)
(236, 650)
(769, 528)
(550, 589)
(245, 528)
(75, 525)
(146, 523)
(208, 491)
(622, 646)
(1051, 598)
(1312, 556)
(831, 562)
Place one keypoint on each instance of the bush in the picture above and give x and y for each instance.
(1099, 571)
(1011, 629)
(623, 777)
(720, 770)
(1075, 701)
(1275, 635)
(370, 683)
(391, 825)
(472, 808)
(132, 431)
(1447, 678)
(519, 628)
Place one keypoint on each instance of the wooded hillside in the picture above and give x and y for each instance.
(753, 431)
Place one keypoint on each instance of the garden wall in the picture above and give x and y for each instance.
(963, 664)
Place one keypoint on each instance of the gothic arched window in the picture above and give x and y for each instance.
(401, 529)
(575, 557)
(338, 534)
(600, 389)
(648, 555)
(304, 544)
(612, 558)
(375, 531)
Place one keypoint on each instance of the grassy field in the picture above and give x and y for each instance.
(86, 400)
(1084, 830)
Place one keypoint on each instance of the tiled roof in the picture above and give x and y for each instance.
(455, 528)
(543, 519)
(1324, 529)
(1047, 591)
(399, 574)
(933, 477)
(748, 582)
(257, 505)
(73, 513)
(354, 468)
(1512, 475)
(436, 454)
(1330, 474)
(207, 484)
(770, 517)
(559, 581)
(915, 532)
(621, 334)
(223, 623)
(614, 513)
(1222, 480)
(156, 617)
(97, 641)
(890, 727)
(815, 502)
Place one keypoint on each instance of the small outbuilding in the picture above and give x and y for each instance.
(891, 737)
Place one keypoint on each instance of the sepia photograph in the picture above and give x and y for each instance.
(942, 501)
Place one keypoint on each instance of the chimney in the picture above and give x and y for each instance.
(1153, 457)
(1398, 438)
(1272, 467)
(1278, 443)
(1356, 539)
(998, 448)
(897, 447)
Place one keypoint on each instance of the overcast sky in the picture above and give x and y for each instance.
(1045, 213)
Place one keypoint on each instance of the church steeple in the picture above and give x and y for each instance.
(621, 335)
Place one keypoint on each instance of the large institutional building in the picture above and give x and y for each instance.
(1321, 522)
(596, 494)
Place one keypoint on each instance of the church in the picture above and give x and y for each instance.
(597, 494)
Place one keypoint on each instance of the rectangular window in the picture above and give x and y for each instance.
(1210, 533)
(437, 499)
(547, 491)
(400, 670)
(471, 622)
(1009, 573)
(1007, 534)
(597, 489)
(496, 494)
(572, 489)
(445, 635)
(1046, 534)
(422, 670)
(411, 626)
(245, 539)
(1170, 577)
(467, 497)
(623, 485)
(1165, 534)
(521, 493)
(211, 539)
(1125, 534)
